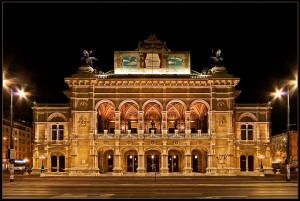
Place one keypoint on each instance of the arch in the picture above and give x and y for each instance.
(199, 160)
(128, 101)
(177, 100)
(106, 160)
(57, 161)
(56, 116)
(126, 149)
(150, 101)
(55, 153)
(104, 101)
(175, 159)
(128, 111)
(152, 160)
(176, 111)
(153, 149)
(182, 150)
(202, 149)
(130, 160)
(250, 162)
(103, 150)
(105, 115)
(200, 101)
(247, 114)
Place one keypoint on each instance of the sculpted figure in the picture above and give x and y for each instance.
(217, 60)
(152, 124)
(86, 57)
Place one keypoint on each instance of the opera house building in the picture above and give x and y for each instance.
(152, 113)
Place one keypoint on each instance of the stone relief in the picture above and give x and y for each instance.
(82, 105)
(82, 121)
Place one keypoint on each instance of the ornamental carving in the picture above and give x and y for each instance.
(82, 121)
(82, 105)
(221, 105)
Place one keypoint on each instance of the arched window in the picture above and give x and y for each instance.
(61, 163)
(243, 163)
(53, 163)
(250, 163)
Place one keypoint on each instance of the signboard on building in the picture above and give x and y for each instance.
(152, 60)
(135, 62)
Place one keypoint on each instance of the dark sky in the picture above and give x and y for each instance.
(43, 43)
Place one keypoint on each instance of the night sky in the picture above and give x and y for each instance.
(43, 44)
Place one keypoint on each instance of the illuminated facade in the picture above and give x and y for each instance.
(152, 113)
(22, 132)
(279, 148)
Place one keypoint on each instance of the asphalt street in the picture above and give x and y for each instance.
(150, 187)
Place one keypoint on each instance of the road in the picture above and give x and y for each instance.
(126, 187)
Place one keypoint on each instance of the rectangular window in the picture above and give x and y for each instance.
(247, 132)
(57, 132)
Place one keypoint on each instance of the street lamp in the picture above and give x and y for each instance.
(26, 166)
(154, 167)
(12, 151)
(287, 93)
(42, 168)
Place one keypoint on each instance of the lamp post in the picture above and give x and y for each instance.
(42, 168)
(277, 94)
(12, 151)
(11, 172)
(288, 170)
(154, 167)
(26, 166)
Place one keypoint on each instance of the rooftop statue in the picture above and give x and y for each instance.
(217, 60)
(88, 60)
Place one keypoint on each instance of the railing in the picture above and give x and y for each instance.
(54, 142)
(149, 135)
(171, 76)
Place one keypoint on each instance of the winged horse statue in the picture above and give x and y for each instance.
(88, 60)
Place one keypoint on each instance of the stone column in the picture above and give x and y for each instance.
(164, 124)
(187, 124)
(141, 171)
(94, 155)
(187, 170)
(164, 170)
(117, 170)
(211, 153)
(117, 124)
(141, 123)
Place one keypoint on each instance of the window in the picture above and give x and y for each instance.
(247, 132)
(57, 132)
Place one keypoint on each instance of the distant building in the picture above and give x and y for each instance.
(152, 113)
(279, 151)
(22, 133)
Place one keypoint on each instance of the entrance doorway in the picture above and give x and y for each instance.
(152, 163)
(132, 163)
(110, 163)
(173, 163)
